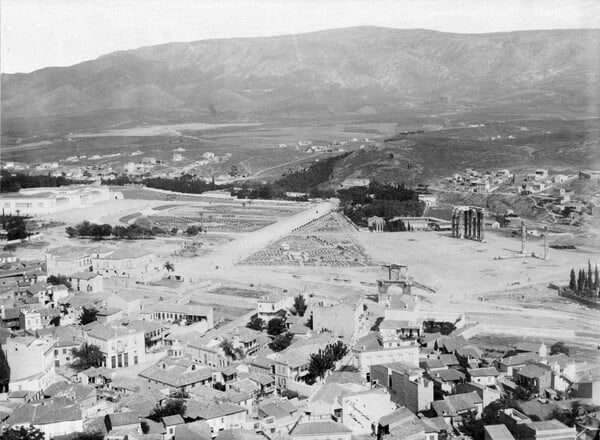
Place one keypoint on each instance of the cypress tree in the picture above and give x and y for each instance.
(573, 280)
(4, 371)
(589, 283)
(581, 281)
(596, 279)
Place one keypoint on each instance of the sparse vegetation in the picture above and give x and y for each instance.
(281, 342)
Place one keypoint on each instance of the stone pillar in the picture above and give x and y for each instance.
(482, 231)
(545, 242)
(523, 237)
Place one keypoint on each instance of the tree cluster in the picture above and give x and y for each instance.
(276, 326)
(131, 232)
(325, 359)
(170, 408)
(256, 323)
(15, 226)
(281, 342)
(381, 200)
(56, 280)
(231, 351)
(87, 356)
(184, 184)
(585, 284)
(14, 182)
(88, 315)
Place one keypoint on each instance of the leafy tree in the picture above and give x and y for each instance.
(93, 435)
(170, 408)
(170, 267)
(55, 280)
(180, 394)
(145, 427)
(320, 363)
(193, 230)
(522, 393)
(256, 323)
(55, 321)
(230, 351)
(300, 305)
(4, 371)
(337, 350)
(87, 356)
(559, 347)
(88, 315)
(23, 433)
(275, 327)
(572, 280)
(281, 342)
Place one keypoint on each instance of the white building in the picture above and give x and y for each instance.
(120, 348)
(54, 417)
(272, 306)
(31, 362)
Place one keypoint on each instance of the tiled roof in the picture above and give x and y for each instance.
(176, 376)
(219, 410)
(482, 372)
(498, 432)
(173, 420)
(319, 428)
(101, 331)
(519, 359)
(46, 412)
(449, 375)
(398, 416)
(123, 418)
(533, 371)
(455, 404)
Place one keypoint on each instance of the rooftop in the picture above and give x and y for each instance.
(328, 427)
(46, 412)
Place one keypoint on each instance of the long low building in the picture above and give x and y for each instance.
(48, 200)
(183, 312)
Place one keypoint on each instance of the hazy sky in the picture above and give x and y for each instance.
(41, 33)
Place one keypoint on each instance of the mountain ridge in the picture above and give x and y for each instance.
(329, 73)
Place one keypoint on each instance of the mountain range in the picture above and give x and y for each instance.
(340, 73)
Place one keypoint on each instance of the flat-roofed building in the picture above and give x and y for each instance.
(31, 362)
(128, 262)
(120, 348)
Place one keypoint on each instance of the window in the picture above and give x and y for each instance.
(64, 351)
(113, 362)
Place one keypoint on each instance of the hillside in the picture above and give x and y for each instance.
(335, 73)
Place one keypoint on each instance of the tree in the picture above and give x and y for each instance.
(256, 323)
(231, 351)
(320, 363)
(10, 248)
(55, 321)
(589, 282)
(193, 230)
(275, 327)
(23, 433)
(4, 371)
(145, 427)
(572, 280)
(55, 280)
(281, 342)
(87, 356)
(581, 282)
(559, 347)
(170, 408)
(300, 305)
(337, 350)
(88, 315)
(596, 279)
(170, 267)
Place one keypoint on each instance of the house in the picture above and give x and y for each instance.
(372, 349)
(321, 430)
(534, 377)
(63, 351)
(453, 408)
(497, 432)
(291, 364)
(122, 421)
(469, 356)
(347, 320)
(406, 385)
(278, 415)
(31, 362)
(522, 427)
(109, 315)
(361, 411)
(586, 385)
(54, 417)
(171, 423)
(221, 416)
(129, 263)
(154, 332)
(178, 373)
(73, 259)
(509, 364)
(395, 422)
(83, 395)
(273, 306)
(265, 382)
(325, 400)
(183, 312)
(129, 301)
(86, 282)
(350, 183)
(445, 381)
(119, 347)
(487, 376)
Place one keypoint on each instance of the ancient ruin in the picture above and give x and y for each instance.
(468, 222)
